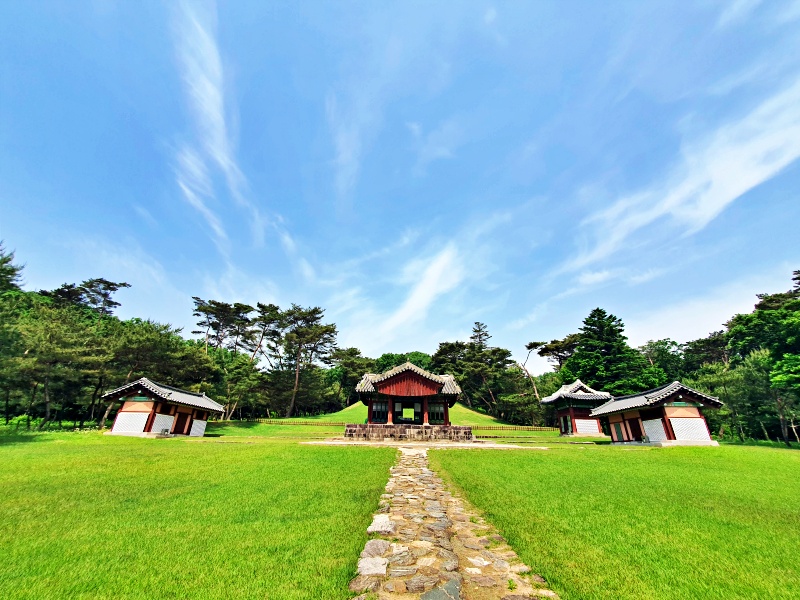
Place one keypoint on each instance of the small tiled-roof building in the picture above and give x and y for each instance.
(573, 404)
(150, 408)
(405, 388)
(667, 415)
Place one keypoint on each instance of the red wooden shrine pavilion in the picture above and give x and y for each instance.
(408, 394)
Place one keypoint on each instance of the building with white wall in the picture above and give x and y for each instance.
(665, 416)
(151, 409)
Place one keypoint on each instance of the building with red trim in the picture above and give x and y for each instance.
(151, 409)
(665, 416)
(573, 404)
(408, 402)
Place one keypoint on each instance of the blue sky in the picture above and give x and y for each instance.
(410, 167)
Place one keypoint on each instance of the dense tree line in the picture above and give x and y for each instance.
(752, 365)
(62, 349)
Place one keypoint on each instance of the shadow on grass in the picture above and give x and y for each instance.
(7, 439)
(233, 424)
(761, 444)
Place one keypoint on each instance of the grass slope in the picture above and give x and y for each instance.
(621, 523)
(461, 415)
(91, 516)
(357, 413)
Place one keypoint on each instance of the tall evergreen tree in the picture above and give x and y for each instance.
(480, 335)
(10, 273)
(604, 360)
(666, 354)
(556, 351)
(307, 339)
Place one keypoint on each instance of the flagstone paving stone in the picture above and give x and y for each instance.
(433, 546)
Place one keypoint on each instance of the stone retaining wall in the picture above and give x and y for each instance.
(375, 431)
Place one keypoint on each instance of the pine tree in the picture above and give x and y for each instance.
(603, 360)
(10, 273)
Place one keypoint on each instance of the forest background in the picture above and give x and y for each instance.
(62, 349)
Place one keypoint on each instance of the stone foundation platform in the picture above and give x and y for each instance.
(376, 431)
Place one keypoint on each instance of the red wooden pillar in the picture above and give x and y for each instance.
(188, 427)
(446, 413)
(369, 412)
(390, 417)
(149, 425)
(425, 410)
(667, 425)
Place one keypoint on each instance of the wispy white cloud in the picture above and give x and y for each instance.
(422, 282)
(349, 130)
(236, 285)
(594, 277)
(194, 182)
(343, 273)
(789, 13)
(204, 81)
(589, 279)
(145, 214)
(645, 276)
(443, 272)
(395, 54)
(697, 316)
(713, 173)
(403, 296)
(439, 144)
(736, 12)
(154, 293)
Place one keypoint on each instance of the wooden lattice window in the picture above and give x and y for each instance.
(380, 412)
(436, 414)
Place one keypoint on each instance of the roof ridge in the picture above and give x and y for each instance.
(651, 397)
(574, 388)
(646, 393)
(408, 366)
(176, 389)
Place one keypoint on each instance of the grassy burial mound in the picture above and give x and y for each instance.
(607, 522)
(326, 426)
(90, 516)
(357, 413)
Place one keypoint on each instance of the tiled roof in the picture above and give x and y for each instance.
(449, 385)
(576, 390)
(651, 397)
(169, 394)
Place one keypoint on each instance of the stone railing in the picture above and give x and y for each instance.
(375, 431)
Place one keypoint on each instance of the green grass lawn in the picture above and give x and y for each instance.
(357, 413)
(92, 516)
(632, 523)
(271, 432)
(247, 512)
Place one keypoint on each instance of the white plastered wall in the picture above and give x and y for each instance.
(694, 430)
(654, 430)
(161, 423)
(198, 428)
(130, 422)
(587, 426)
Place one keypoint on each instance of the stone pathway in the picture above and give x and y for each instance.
(431, 546)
